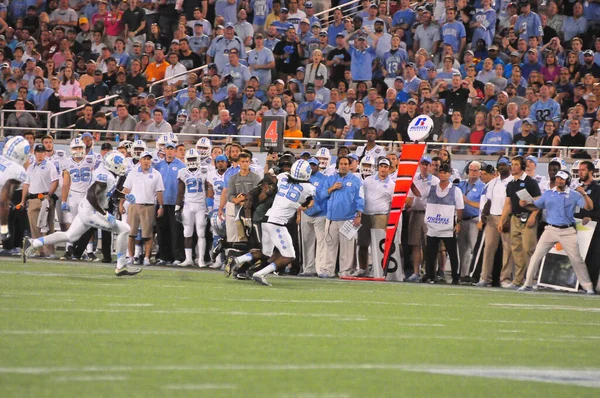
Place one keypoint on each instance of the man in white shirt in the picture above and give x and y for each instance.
(493, 198)
(379, 189)
(370, 148)
(416, 203)
(142, 188)
(511, 121)
(174, 69)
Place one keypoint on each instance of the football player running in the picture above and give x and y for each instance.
(195, 201)
(91, 214)
(77, 175)
(12, 174)
(293, 192)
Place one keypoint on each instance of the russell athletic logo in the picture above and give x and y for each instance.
(438, 220)
(420, 127)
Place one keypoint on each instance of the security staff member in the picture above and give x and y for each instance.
(444, 202)
(523, 222)
(591, 187)
(472, 189)
(560, 202)
(40, 185)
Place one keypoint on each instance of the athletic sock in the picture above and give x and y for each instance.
(245, 258)
(90, 248)
(188, 254)
(138, 250)
(267, 270)
(37, 243)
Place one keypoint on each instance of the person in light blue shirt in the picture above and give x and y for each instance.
(545, 108)
(336, 27)
(498, 136)
(261, 9)
(240, 73)
(362, 57)
(577, 25)
(528, 23)
(591, 10)
(308, 110)
(560, 203)
(199, 41)
(484, 23)
(411, 81)
(39, 96)
(453, 32)
(227, 10)
(251, 128)
(404, 18)
(261, 61)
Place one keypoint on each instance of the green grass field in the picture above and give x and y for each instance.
(75, 330)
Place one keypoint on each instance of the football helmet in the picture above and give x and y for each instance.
(367, 166)
(324, 157)
(182, 116)
(17, 149)
(575, 169)
(192, 159)
(204, 147)
(77, 148)
(563, 164)
(114, 162)
(137, 148)
(597, 169)
(301, 170)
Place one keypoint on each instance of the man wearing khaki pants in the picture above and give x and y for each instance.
(143, 188)
(40, 185)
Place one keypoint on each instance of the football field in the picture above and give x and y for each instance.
(76, 330)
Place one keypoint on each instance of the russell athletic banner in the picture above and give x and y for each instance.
(418, 130)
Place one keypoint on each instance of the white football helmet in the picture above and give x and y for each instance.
(182, 116)
(137, 148)
(218, 224)
(192, 159)
(563, 164)
(17, 149)
(324, 157)
(204, 147)
(597, 169)
(575, 169)
(77, 148)
(114, 162)
(301, 170)
(125, 144)
(367, 166)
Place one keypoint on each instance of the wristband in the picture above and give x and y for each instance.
(210, 202)
(177, 208)
(160, 206)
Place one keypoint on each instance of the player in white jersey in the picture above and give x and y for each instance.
(293, 192)
(216, 181)
(12, 174)
(77, 176)
(366, 167)
(204, 148)
(324, 157)
(195, 200)
(91, 214)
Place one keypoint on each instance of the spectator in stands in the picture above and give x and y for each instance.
(69, 92)
(160, 125)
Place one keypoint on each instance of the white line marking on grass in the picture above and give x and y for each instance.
(314, 395)
(200, 387)
(586, 377)
(89, 378)
(54, 274)
(131, 305)
(545, 307)
(565, 323)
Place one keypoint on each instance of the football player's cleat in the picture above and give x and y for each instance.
(229, 267)
(27, 250)
(261, 279)
(216, 250)
(186, 263)
(127, 271)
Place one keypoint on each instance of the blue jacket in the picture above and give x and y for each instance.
(169, 171)
(319, 209)
(343, 203)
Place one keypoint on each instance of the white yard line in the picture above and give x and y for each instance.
(545, 307)
(192, 387)
(89, 378)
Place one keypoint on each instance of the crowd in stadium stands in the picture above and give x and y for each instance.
(196, 78)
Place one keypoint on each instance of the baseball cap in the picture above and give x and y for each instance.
(144, 109)
(98, 72)
(411, 101)
(532, 50)
(503, 160)
(279, 81)
(528, 121)
(221, 158)
(229, 25)
(354, 156)
(323, 33)
(446, 168)
(319, 77)
(499, 116)
(310, 90)
(158, 46)
(503, 92)
(308, 4)
(149, 43)
(361, 37)
(136, 44)
(425, 159)
(533, 159)
(86, 135)
(5, 65)
(470, 52)
(83, 20)
(515, 54)
(373, 5)
(170, 145)
(146, 153)
(588, 53)
(284, 10)
(30, 59)
(305, 20)
(488, 168)
(399, 78)
(174, 41)
(510, 84)
(313, 160)
(39, 148)
(563, 174)
(151, 95)
(384, 161)
(493, 47)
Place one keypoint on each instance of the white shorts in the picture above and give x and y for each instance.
(89, 218)
(73, 200)
(276, 236)
(194, 215)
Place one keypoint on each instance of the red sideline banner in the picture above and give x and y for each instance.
(407, 168)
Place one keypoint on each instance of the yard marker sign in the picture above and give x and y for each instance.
(418, 130)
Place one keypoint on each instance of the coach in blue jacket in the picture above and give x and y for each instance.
(345, 201)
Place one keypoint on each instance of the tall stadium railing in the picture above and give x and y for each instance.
(3, 119)
(55, 116)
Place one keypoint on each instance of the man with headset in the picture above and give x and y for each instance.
(523, 222)
(561, 203)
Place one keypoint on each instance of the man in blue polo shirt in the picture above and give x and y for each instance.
(472, 189)
(362, 55)
(561, 203)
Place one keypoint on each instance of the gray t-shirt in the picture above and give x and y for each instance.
(239, 184)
